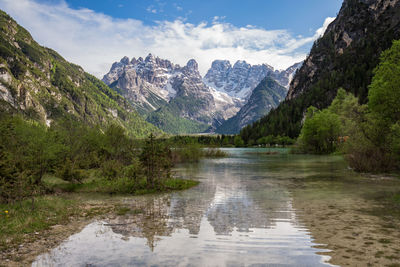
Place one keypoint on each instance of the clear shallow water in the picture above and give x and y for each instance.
(240, 215)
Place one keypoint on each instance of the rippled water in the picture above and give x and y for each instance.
(241, 214)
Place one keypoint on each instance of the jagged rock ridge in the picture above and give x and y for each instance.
(167, 93)
(240, 79)
(157, 86)
(266, 96)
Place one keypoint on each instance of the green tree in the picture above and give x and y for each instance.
(156, 160)
(384, 91)
(374, 146)
(28, 151)
(35, 149)
(238, 141)
(320, 131)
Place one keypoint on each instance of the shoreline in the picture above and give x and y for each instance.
(23, 248)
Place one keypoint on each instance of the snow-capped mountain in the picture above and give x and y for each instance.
(267, 95)
(158, 86)
(178, 100)
(145, 82)
(240, 79)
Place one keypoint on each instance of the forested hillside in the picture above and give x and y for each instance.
(37, 82)
(344, 57)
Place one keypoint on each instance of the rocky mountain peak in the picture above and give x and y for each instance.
(241, 64)
(240, 79)
(192, 67)
(221, 65)
(150, 58)
(125, 60)
(157, 85)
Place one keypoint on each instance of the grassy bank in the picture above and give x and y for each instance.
(21, 224)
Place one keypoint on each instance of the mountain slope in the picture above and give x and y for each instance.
(240, 79)
(266, 96)
(344, 57)
(172, 97)
(38, 82)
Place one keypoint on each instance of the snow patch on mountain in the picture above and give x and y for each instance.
(240, 79)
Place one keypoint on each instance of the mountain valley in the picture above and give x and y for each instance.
(178, 100)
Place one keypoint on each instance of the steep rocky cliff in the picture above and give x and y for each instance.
(344, 57)
(266, 96)
(178, 100)
(240, 79)
(172, 97)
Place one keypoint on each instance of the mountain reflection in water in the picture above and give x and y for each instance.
(240, 214)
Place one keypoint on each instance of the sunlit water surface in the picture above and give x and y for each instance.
(241, 214)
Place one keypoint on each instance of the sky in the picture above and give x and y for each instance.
(94, 34)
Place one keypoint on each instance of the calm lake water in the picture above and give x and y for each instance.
(242, 214)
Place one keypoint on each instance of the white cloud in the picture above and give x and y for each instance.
(151, 9)
(94, 40)
(179, 8)
(322, 30)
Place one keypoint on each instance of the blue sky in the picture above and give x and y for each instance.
(299, 17)
(94, 34)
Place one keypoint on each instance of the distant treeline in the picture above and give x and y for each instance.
(231, 140)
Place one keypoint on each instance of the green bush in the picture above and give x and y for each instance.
(156, 161)
(320, 132)
(111, 169)
(214, 153)
(238, 141)
(68, 172)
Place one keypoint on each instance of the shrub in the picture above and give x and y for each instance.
(214, 153)
(320, 131)
(69, 173)
(156, 161)
(238, 141)
(111, 169)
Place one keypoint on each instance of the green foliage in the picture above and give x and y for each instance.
(214, 153)
(68, 172)
(18, 69)
(34, 53)
(111, 169)
(22, 220)
(271, 140)
(69, 93)
(238, 141)
(156, 160)
(134, 171)
(188, 152)
(169, 121)
(320, 131)
(29, 150)
(5, 52)
(369, 135)
(351, 70)
(374, 145)
(384, 91)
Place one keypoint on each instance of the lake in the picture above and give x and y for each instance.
(251, 208)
